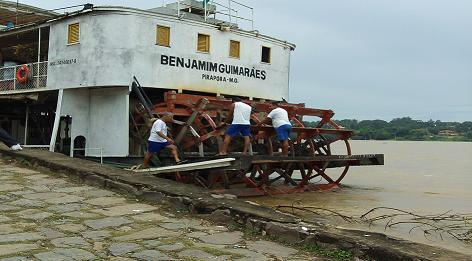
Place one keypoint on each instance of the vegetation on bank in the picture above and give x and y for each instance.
(406, 129)
(337, 254)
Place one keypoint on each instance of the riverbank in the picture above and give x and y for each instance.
(258, 219)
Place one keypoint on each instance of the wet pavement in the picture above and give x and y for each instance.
(47, 217)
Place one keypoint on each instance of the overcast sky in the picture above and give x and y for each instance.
(367, 59)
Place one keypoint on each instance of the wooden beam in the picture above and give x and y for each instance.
(209, 164)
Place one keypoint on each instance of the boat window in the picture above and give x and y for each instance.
(163, 35)
(265, 57)
(234, 49)
(203, 44)
(73, 33)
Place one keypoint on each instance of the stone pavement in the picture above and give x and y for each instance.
(47, 217)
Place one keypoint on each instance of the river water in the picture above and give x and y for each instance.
(424, 177)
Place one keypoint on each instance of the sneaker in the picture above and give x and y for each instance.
(16, 147)
(136, 167)
(181, 162)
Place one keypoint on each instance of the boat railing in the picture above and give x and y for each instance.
(230, 10)
(23, 77)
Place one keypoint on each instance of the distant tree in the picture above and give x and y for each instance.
(468, 135)
(404, 128)
(418, 134)
(402, 132)
(464, 127)
(383, 135)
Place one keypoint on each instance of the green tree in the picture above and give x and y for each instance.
(404, 128)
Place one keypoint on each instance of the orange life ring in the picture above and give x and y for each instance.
(22, 74)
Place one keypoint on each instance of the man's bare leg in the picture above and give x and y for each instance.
(285, 148)
(147, 158)
(226, 142)
(247, 141)
(173, 150)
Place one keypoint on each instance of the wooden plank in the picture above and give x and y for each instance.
(374, 159)
(312, 131)
(209, 164)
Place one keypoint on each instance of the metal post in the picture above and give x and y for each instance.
(229, 10)
(252, 19)
(200, 150)
(16, 10)
(288, 78)
(14, 77)
(178, 9)
(205, 7)
(55, 128)
(26, 124)
(39, 57)
(101, 155)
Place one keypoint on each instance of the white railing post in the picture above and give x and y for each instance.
(39, 58)
(14, 78)
(252, 19)
(72, 149)
(178, 9)
(205, 9)
(26, 124)
(229, 10)
(55, 127)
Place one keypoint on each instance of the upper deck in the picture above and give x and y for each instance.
(165, 48)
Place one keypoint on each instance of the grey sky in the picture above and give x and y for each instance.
(367, 59)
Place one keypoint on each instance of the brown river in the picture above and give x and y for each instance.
(425, 178)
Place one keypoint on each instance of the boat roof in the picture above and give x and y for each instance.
(21, 14)
(45, 17)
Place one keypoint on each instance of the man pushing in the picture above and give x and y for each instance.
(279, 119)
(159, 140)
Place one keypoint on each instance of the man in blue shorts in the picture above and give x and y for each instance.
(159, 140)
(240, 115)
(282, 125)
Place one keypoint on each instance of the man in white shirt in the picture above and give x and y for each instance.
(281, 124)
(240, 116)
(159, 140)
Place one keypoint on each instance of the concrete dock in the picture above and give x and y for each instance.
(46, 217)
(132, 205)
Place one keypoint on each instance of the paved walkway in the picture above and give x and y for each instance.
(44, 217)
